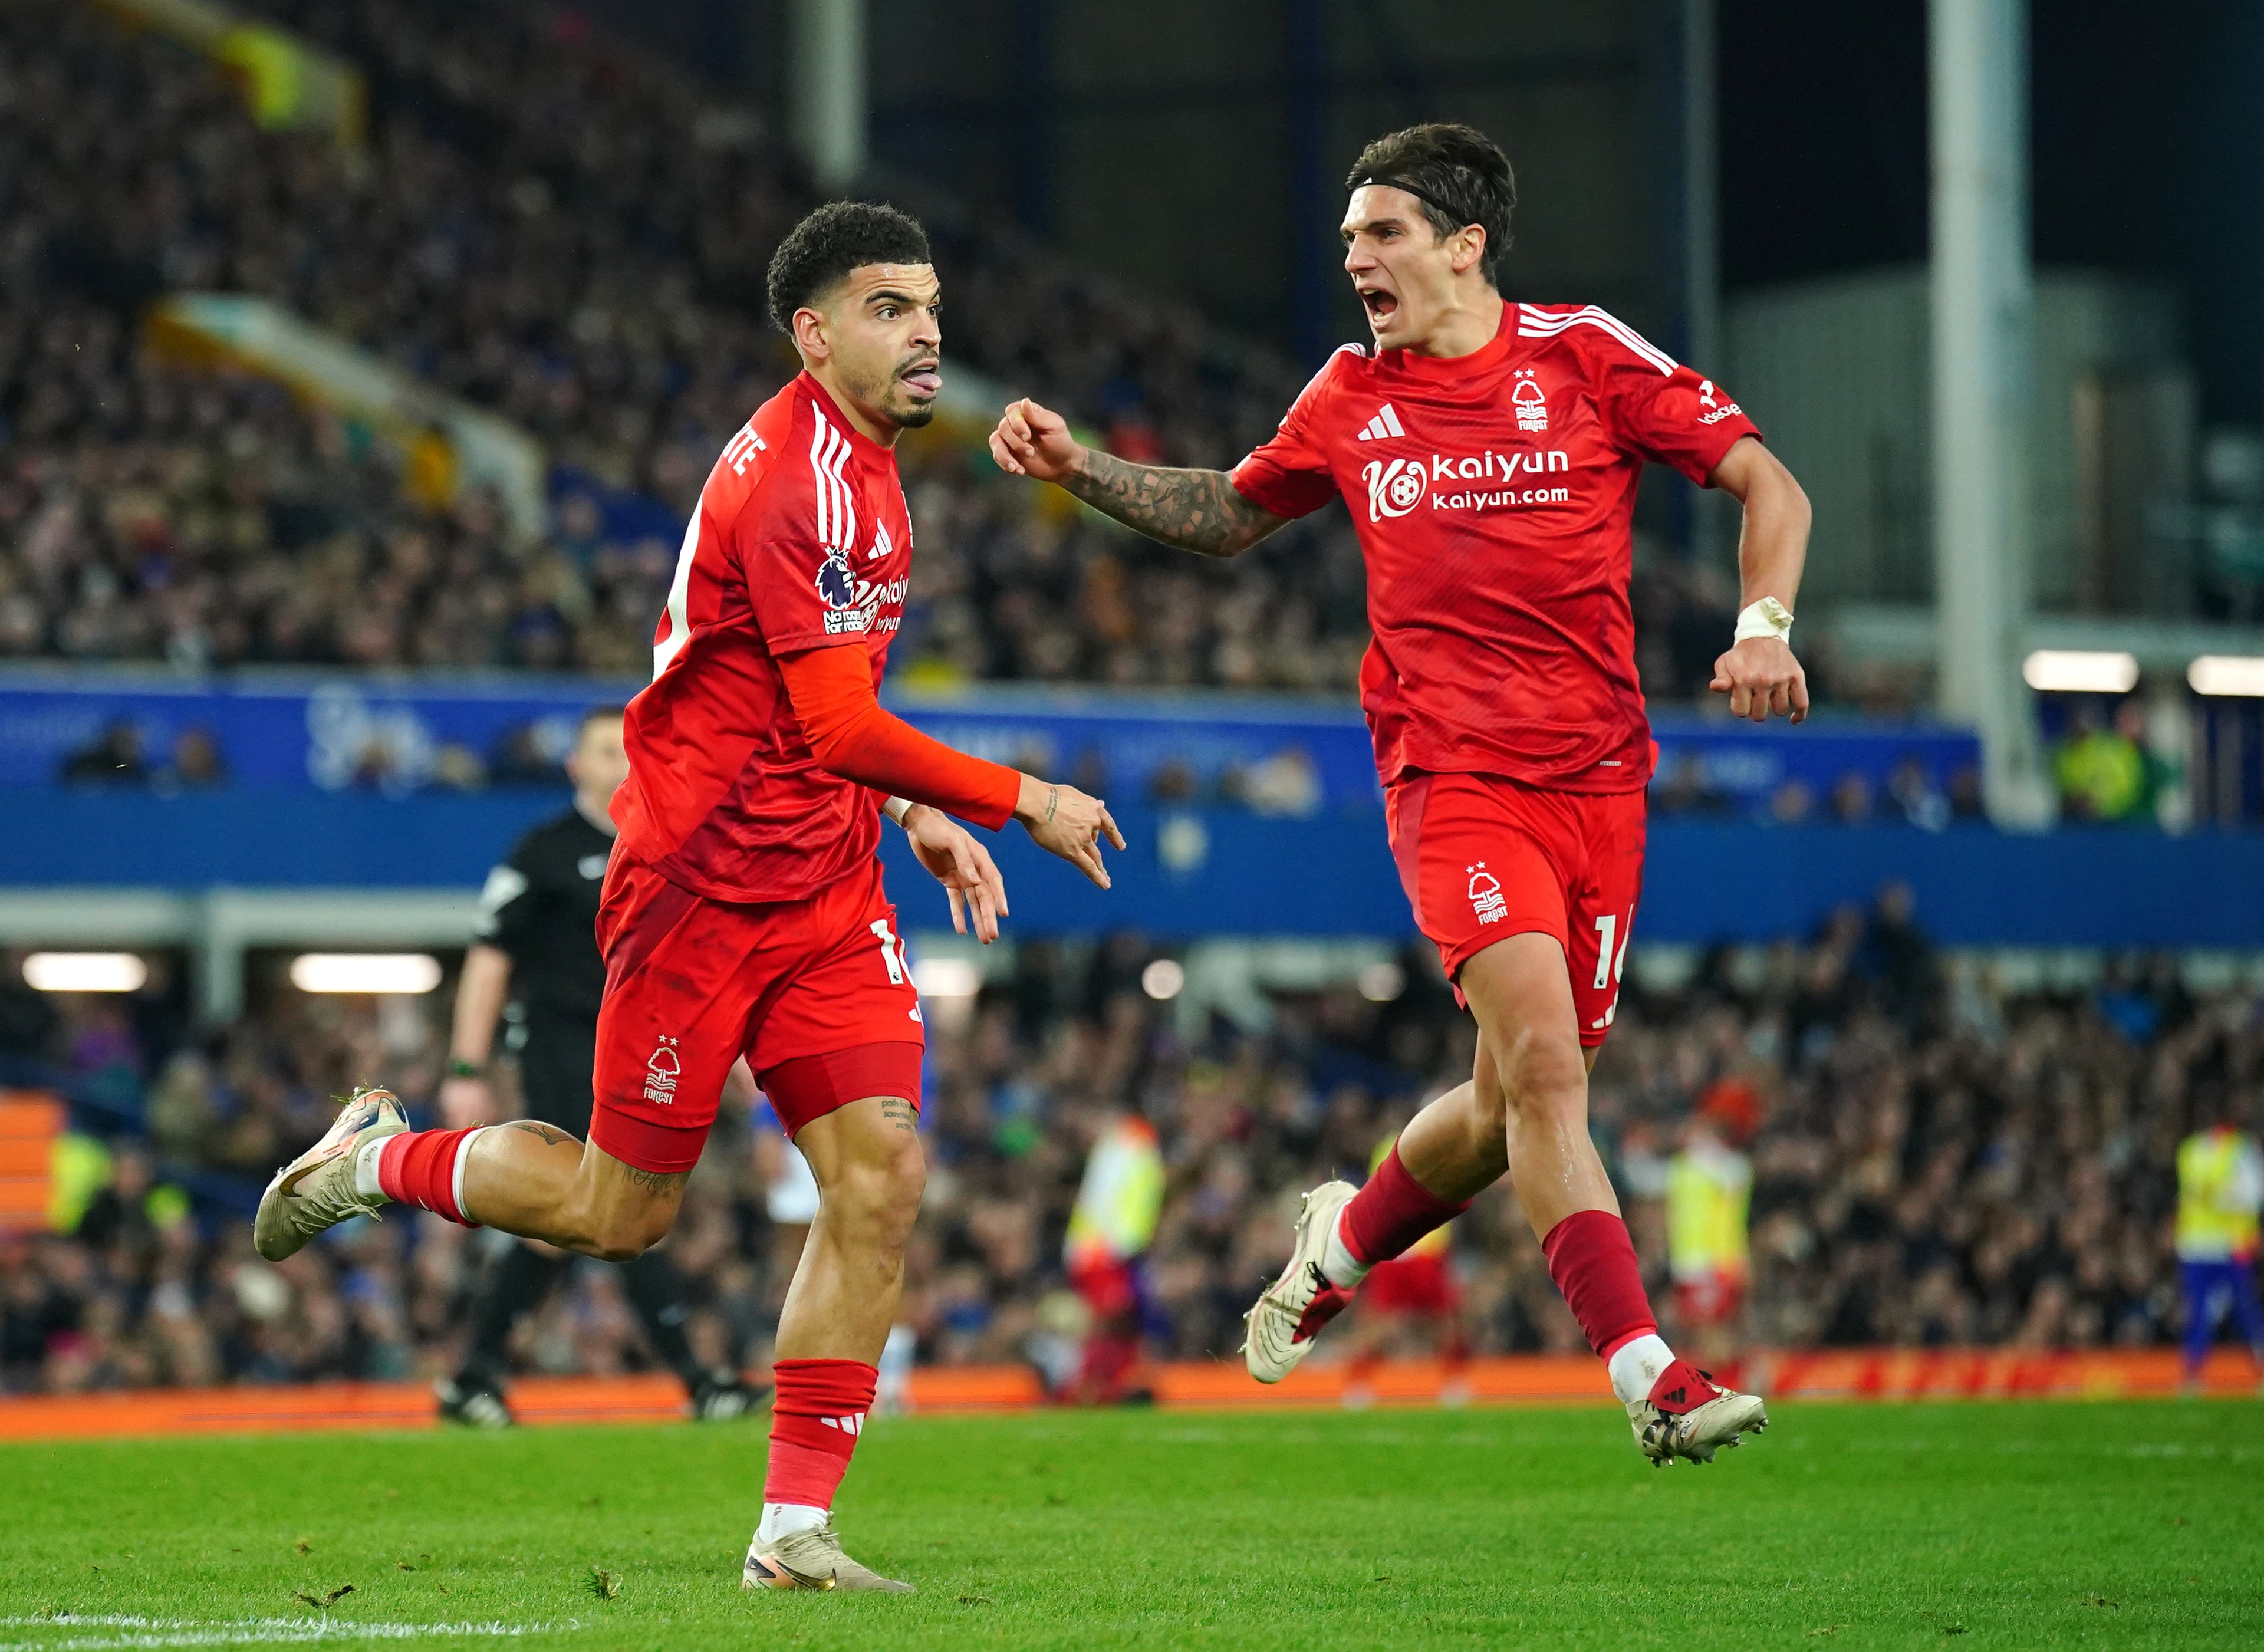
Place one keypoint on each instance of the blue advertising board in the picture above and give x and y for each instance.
(1219, 871)
(401, 734)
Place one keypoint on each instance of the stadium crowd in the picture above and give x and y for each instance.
(573, 235)
(1936, 1162)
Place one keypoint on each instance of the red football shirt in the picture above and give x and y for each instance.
(801, 541)
(1494, 495)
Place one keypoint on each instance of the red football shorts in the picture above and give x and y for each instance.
(1421, 1283)
(1715, 1298)
(1484, 858)
(814, 993)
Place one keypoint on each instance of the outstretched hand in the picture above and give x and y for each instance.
(1064, 821)
(963, 866)
(465, 1101)
(1760, 676)
(1034, 441)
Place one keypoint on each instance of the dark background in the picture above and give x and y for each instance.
(1199, 148)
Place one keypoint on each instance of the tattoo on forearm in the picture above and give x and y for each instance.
(901, 1115)
(1053, 802)
(549, 1133)
(1197, 511)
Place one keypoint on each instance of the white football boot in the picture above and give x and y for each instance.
(812, 1559)
(316, 1191)
(1687, 1414)
(1282, 1324)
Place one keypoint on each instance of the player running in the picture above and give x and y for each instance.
(742, 911)
(537, 949)
(1489, 452)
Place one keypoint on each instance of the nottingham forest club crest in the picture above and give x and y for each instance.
(662, 1069)
(1532, 406)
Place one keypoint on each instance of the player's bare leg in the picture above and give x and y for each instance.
(534, 1180)
(1524, 1111)
(870, 1172)
(525, 1178)
(1529, 1088)
(1533, 1075)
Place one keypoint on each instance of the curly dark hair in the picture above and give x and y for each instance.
(837, 238)
(1459, 174)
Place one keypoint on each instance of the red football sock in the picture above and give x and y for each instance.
(1392, 1212)
(815, 1421)
(424, 1168)
(1593, 1261)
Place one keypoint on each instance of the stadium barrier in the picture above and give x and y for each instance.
(1886, 1374)
(1195, 870)
(333, 730)
(30, 1125)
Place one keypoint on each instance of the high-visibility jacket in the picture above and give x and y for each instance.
(2220, 1189)
(1121, 1197)
(1709, 1188)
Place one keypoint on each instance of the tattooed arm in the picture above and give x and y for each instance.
(1198, 511)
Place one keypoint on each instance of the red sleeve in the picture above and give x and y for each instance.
(1659, 410)
(852, 735)
(1289, 475)
(794, 542)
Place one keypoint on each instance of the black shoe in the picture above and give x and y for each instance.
(723, 1396)
(473, 1407)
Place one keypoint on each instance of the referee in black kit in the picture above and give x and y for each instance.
(538, 945)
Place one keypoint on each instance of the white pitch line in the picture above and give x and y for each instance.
(186, 1632)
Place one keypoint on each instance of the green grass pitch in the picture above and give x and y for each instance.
(1961, 1526)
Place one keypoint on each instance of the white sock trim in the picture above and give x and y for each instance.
(1342, 1269)
(1637, 1367)
(456, 1173)
(784, 1519)
(365, 1183)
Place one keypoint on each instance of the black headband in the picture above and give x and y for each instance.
(1425, 197)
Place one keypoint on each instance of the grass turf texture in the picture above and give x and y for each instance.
(1962, 1525)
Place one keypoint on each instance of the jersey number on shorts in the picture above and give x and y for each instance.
(892, 951)
(1610, 965)
(892, 958)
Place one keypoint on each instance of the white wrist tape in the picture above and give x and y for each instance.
(1767, 618)
(896, 807)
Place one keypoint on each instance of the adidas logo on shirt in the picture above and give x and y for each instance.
(1385, 423)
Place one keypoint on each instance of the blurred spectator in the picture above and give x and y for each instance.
(1285, 784)
(1709, 1188)
(113, 757)
(1111, 1226)
(1684, 788)
(1173, 783)
(196, 763)
(1916, 801)
(2220, 1190)
(2105, 773)
(1792, 803)
(1965, 799)
(1851, 799)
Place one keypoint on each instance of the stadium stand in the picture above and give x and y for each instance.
(1938, 1164)
(575, 241)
